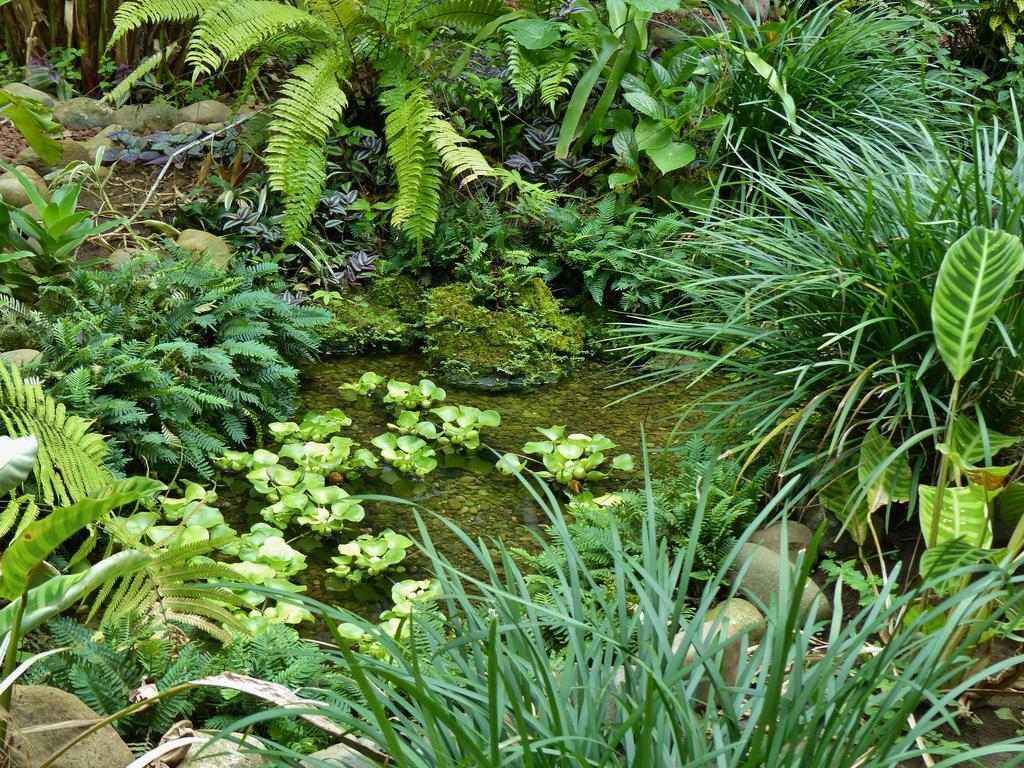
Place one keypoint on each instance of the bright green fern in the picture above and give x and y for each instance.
(333, 39)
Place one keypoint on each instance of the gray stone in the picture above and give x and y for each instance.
(83, 112)
(71, 152)
(213, 127)
(31, 210)
(223, 754)
(342, 756)
(206, 111)
(762, 576)
(144, 118)
(734, 619)
(14, 194)
(119, 258)
(40, 705)
(27, 91)
(21, 357)
(102, 141)
(187, 128)
(798, 537)
(204, 245)
(737, 615)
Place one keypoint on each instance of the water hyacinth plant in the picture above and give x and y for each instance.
(568, 459)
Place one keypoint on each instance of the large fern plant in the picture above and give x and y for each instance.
(336, 42)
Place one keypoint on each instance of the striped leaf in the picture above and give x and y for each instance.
(964, 514)
(884, 474)
(37, 541)
(976, 273)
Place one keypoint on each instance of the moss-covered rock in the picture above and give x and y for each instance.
(383, 317)
(531, 341)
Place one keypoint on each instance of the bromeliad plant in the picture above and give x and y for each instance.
(568, 459)
(46, 241)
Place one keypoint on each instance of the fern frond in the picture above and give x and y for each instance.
(135, 13)
(311, 103)
(229, 29)
(70, 460)
(458, 159)
(122, 90)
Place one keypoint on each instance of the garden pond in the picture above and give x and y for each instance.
(481, 501)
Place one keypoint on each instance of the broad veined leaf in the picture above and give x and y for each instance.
(1011, 503)
(32, 121)
(969, 442)
(775, 82)
(56, 595)
(964, 514)
(645, 104)
(672, 156)
(950, 555)
(650, 134)
(655, 6)
(884, 476)
(36, 542)
(976, 272)
(17, 457)
(534, 34)
(840, 497)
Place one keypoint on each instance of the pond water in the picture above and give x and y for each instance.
(489, 505)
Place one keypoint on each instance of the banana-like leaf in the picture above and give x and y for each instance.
(37, 541)
(968, 441)
(884, 475)
(17, 457)
(32, 122)
(976, 272)
(841, 498)
(964, 514)
(56, 595)
(950, 555)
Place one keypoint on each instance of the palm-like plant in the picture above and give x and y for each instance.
(337, 42)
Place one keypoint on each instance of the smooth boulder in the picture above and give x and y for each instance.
(206, 111)
(41, 705)
(216, 250)
(13, 193)
(82, 112)
(187, 128)
(28, 92)
(71, 152)
(223, 754)
(19, 357)
(798, 538)
(759, 571)
(102, 141)
(342, 756)
(145, 118)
